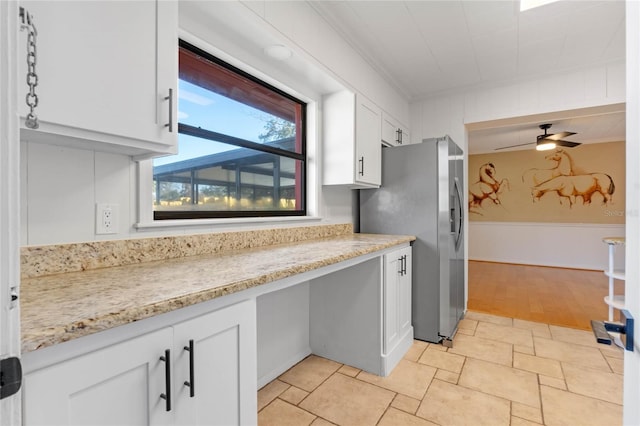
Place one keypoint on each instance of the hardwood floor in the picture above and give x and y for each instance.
(565, 297)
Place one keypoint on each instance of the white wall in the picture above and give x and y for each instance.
(60, 186)
(549, 244)
(454, 112)
(631, 412)
(450, 112)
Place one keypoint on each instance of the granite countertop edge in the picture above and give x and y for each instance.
(63, 307)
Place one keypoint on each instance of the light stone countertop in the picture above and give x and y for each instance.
(61, 307)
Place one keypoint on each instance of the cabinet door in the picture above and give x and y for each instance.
(393, 133)
(390, 131)
(404, 292)
(224, 382)
(404, 138)
(118, 385)
(397, 297)
(368, 147)
(391, 314)
(351, 144)
(99, 72)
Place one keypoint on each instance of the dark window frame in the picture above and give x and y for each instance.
(242, 143)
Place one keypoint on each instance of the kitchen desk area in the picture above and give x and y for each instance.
(185, 329)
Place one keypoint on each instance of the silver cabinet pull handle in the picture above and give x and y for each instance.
(170, 99)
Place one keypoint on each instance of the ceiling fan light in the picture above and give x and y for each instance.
(545, 145)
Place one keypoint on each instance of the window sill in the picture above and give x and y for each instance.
(160, 224)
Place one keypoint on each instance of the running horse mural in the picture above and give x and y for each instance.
(563, 167)
(571, 187)
(568, 185)
(487, 186)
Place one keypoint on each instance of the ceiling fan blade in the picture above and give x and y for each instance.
(567, 143)
(558, 136)
(513, 146)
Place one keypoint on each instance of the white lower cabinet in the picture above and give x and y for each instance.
(130, 383)
(397, 300)
(118, 385)
(222, 373)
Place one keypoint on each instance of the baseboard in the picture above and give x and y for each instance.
(277, 371)
(523, 263)
(390, 360)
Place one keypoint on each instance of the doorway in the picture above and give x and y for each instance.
(542, 271)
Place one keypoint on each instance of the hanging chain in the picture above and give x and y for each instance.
(31, 120)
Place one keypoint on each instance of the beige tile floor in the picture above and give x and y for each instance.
(500, 371)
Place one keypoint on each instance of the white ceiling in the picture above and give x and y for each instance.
(598, 128)
(426, 47)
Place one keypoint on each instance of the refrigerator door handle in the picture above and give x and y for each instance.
(452, 219)
(460, 221)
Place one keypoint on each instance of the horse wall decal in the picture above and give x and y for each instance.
(487, 186)
(571, 187)
(563, 167)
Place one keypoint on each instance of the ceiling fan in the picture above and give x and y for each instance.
(548, 141)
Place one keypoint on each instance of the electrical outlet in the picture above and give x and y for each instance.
(106, 218)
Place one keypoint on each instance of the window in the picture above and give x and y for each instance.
(241, 146)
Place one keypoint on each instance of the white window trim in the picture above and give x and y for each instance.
(313, 162)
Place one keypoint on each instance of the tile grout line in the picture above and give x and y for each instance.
(277, 396)
(308, 393)
(540, 395)
(459, 375)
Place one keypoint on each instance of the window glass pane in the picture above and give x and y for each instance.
(241, 146)
(208, 110)
(214, 98)
(235, 180)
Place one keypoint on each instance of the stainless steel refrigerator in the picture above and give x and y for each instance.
(421, 194)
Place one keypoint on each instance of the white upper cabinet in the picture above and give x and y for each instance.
(393, 133)
(351, 141)
(104, 70)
